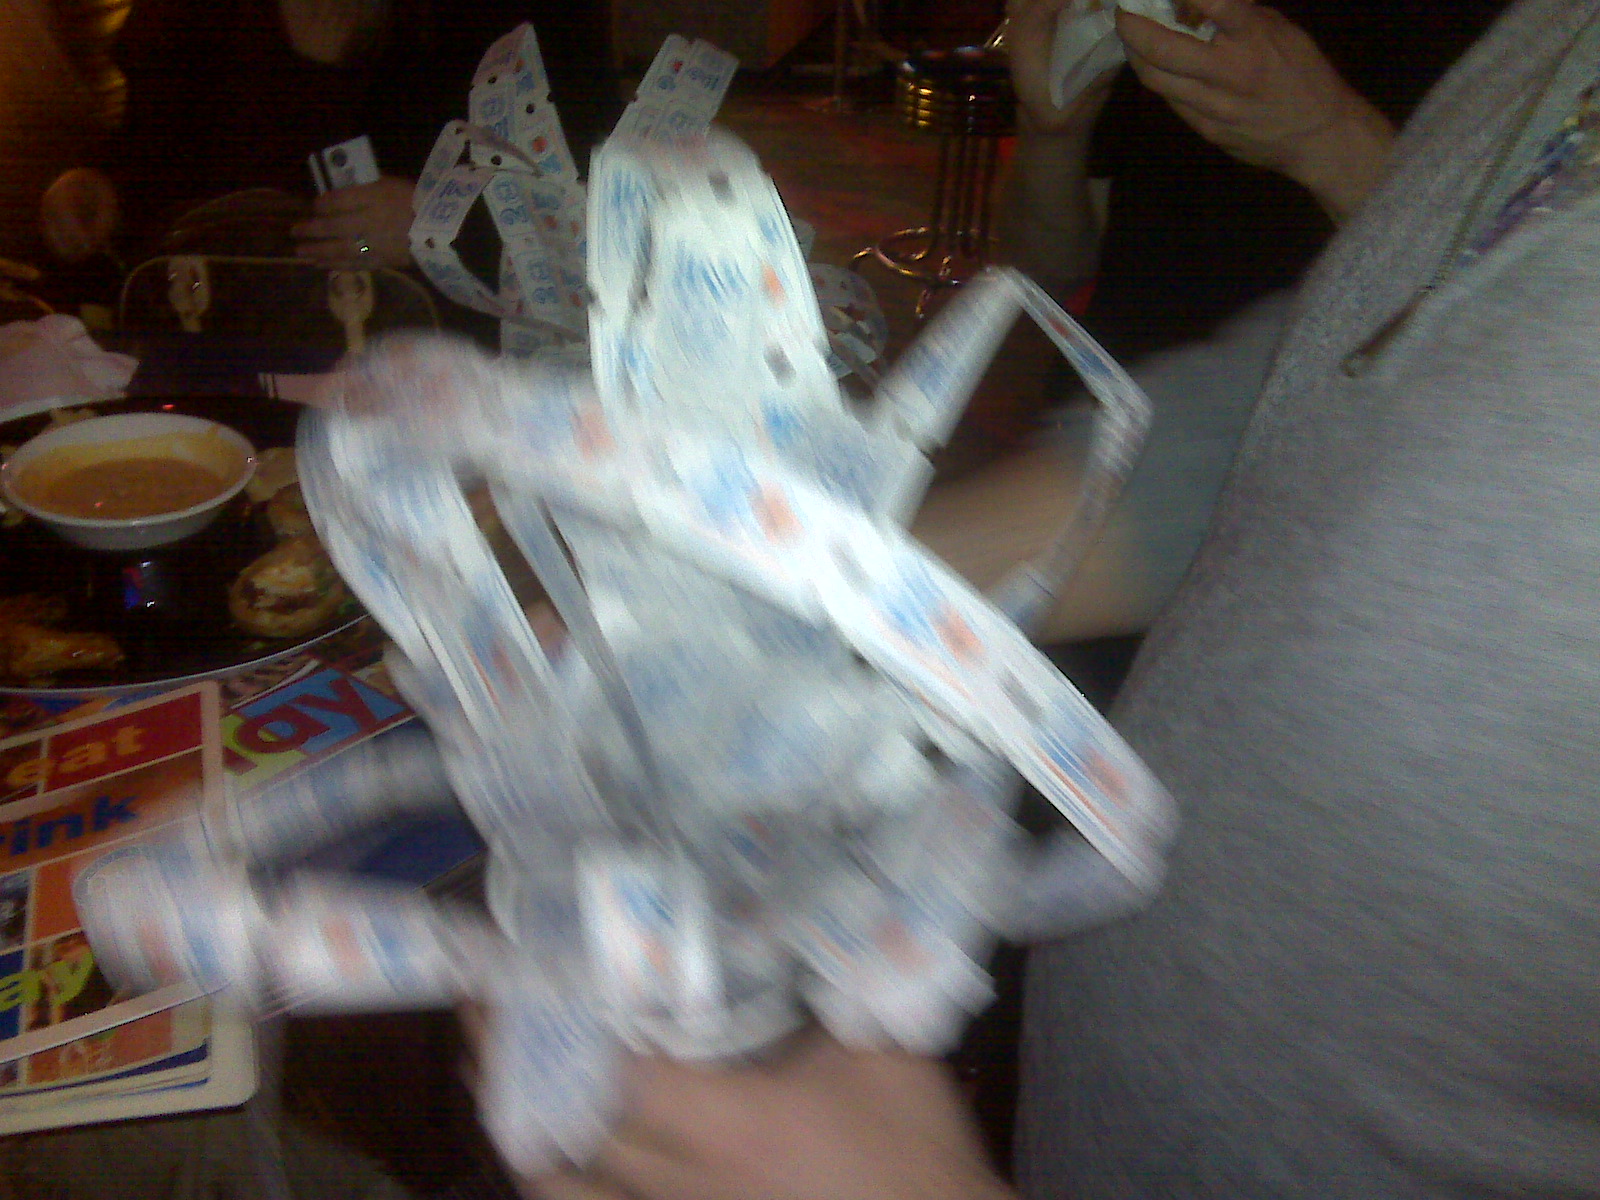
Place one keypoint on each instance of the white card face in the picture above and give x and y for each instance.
(706, 77)
(517, 55)
(344, 165)
(539, 135)
(664, 70)
(681, 91)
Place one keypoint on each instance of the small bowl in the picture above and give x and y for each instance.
(220, 450)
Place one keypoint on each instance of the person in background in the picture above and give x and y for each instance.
(222, 100)
(1304, 97)
(1370, 973)
(1264, 93)
(1230, 162)
(55, 105)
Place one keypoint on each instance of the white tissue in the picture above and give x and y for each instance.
(1086, 43)
(53, 361)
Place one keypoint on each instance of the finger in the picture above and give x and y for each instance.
(1084, 107)
(326, 229)
(1197, 96)
(1218, 133)
(1034, 12)
(665, 1100)
(98, 216)
(1176, 53)
(66, 237)
(1092, 99)
(329, 254)
(348, 390)
(343, 201)
(323, 247)
(809, 1052)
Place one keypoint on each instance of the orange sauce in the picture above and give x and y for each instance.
(122, 488)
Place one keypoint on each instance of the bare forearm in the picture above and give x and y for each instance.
(1006, 514)
(1049, 228)
(1341, 163)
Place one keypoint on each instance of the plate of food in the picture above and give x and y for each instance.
(156, 539)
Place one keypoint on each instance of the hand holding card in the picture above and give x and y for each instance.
(344, 165)
(359, 227)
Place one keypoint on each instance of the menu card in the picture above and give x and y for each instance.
(74, 1050)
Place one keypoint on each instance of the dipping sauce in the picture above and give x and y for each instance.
(120, 489)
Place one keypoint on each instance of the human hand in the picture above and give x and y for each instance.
(1264, 92)
(1030, 34)
(1048, 220)
(79, 213)
(374, 215)
(824, 1122)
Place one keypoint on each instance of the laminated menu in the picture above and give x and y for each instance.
(73, 1048)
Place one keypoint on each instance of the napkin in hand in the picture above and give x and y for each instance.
(1086, 44)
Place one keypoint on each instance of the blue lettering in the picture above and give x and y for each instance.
(72, 823)
(108, 812)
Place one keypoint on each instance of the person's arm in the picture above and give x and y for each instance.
(128, 194)
(1005, 514)
(1203, 393)
(822, 1122)
(1049, 228)
(1264, 92)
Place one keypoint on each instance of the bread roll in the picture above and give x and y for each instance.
(275, 470)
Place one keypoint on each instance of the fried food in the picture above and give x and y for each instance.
(35, 650)
(290, 591)
(31, 646)
(286, 513)
(275, 470)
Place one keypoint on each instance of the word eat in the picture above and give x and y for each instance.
(125, 742)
